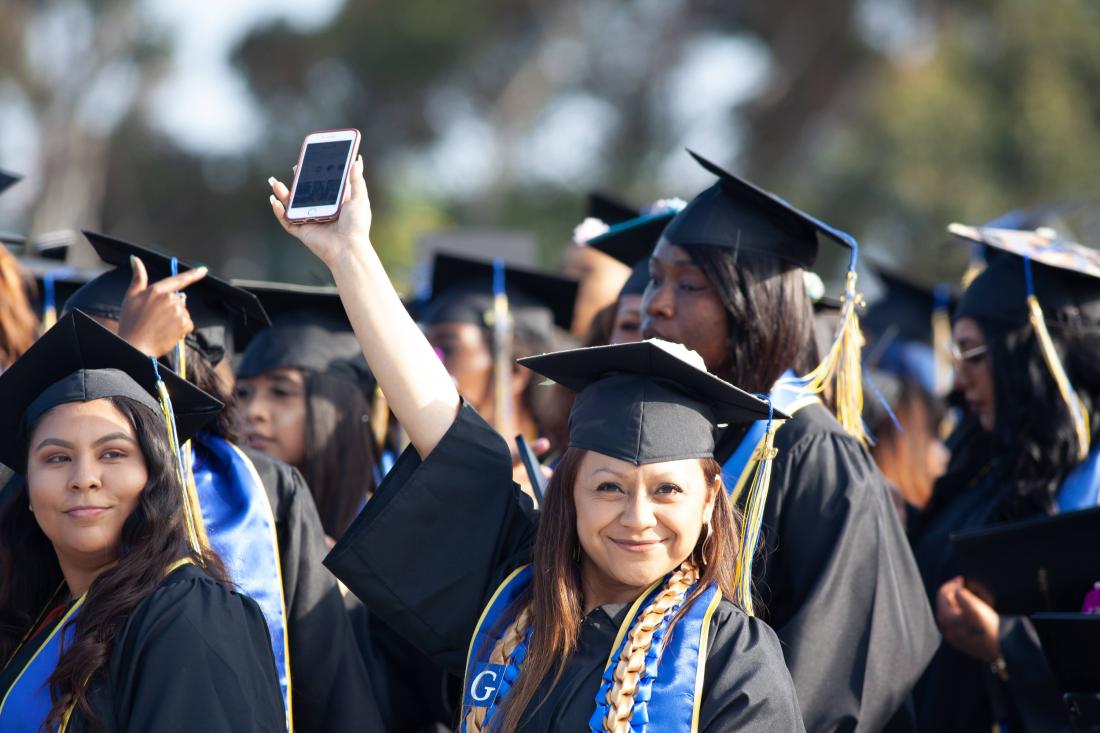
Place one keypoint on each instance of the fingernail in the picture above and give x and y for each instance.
(203, 269)
(132, 258)
(271, 180)
(272, 198)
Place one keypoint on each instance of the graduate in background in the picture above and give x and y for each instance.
(112, 615)
(726, 280)
(1027, 345)
(635, 532)
(598, 276)
(303, 396)
(258, 512)
(18, 324)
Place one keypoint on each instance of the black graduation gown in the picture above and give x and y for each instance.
(838, 581)
(957, 692)
(440, 535)
(193, 656)
(331, 687)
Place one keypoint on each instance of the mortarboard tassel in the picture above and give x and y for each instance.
(976, 264)
(842, 365)
(1057, 370)
(49, 303)
(941, 340)
(763, 456)
(196, 533)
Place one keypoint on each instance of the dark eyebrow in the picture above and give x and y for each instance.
(113, 436)
(54, 441)
(678, 262)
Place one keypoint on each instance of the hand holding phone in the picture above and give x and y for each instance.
(321, 175)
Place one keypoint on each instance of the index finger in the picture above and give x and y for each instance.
(181, 281)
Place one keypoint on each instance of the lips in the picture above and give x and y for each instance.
(638, 546)
(86, 512)
(650, 332)
(259, 442)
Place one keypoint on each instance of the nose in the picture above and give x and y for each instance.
(638, 513)
(657, 301)
(84, 475)
(252, 409)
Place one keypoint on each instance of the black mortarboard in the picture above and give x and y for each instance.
(78, 361)
(646, 402)
(217, 308)
(7, 180)
(1065, 278)
(1044, 564)
(1071, 644)
(631, 242)
(737, 215)
(309, 330)
(462, 292)
(608, 209)
(905, 307)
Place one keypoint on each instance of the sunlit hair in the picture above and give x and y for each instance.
(152, 538)
(555, 604)
(18, 322)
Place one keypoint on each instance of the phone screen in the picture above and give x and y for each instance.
(321, 174)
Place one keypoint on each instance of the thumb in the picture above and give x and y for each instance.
(969, 603)
(358, 183)
(140, 279)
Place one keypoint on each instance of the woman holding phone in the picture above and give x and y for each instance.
(630, 560)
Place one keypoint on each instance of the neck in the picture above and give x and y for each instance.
(80, 572)
(600, 590)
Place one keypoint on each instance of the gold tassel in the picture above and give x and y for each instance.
(941, 351)
(842, 366)
(754, 516)
(1054, 364)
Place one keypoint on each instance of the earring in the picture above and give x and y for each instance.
(703, 544)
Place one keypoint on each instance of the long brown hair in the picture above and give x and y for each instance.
(18, 322)
(556, 604)
(153, 537)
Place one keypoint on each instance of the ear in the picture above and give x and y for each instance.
(712, 498)
(521, 377)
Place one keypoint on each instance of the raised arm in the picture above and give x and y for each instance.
(420, 392)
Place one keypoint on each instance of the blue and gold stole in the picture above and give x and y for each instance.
(1081, 488)
(669, 692)
(240, 527)
(25, 705)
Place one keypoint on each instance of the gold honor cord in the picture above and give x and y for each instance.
(842, 366)
(191, 515)
(1058, 371)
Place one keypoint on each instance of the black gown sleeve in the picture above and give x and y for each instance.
(840, 585)
(329, 680)
(1031, 688)
(195, 656)
(746, 686)
(437, 538)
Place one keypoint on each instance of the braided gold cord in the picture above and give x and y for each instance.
(502, 652)
(628, 671)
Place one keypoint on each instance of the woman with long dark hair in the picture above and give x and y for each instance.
(631, 558)
(727, 280)
(1023, 451)
(113, 615)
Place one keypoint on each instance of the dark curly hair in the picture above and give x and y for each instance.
(153, 537)
(1033, 434)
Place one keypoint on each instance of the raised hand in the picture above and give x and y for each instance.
(330, 240)
(967, 622)
(154, 317)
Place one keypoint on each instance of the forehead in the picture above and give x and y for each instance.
(85, 418)
(283, 374)
(595, 463)
(967, 329)
(670, 254)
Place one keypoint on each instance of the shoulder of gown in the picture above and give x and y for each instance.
(829, 523)
(331, 685)
(746, 685)
(437, 538)
(195, 655)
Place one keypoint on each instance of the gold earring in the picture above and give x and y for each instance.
(703, 544)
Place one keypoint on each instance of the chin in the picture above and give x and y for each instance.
(638, 574)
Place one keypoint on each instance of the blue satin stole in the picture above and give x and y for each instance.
(673, 681)
(27, 702)
(1081, 488)
(241, 528)
(787, 395)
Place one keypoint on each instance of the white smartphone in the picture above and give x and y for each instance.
(321, 176)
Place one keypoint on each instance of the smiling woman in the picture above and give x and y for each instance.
(611, 607)
(102, 590)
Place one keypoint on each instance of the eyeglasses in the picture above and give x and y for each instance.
(972, 356)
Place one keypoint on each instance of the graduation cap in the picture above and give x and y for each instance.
(736, 215)
(79, 361)
(646, 402)
(217, 308)
(1071, 643)
(7, 180)
(608, 209)
(309, 330)
(631, 242)
(462, 292)
(1043, 564)
(1036, 267)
